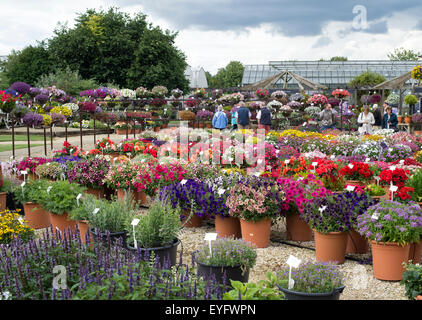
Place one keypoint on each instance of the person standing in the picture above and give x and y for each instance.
(233, 117)
(327, 118)
(220, 121)
(264, 119)
(389, 121)
(377, 117)
(366, 120)
(242, 116)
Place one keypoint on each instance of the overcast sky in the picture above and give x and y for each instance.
(214, 32)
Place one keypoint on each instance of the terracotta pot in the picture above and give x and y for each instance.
(257, 233)
(387, 260)
(121, 131)
(122, 192)
(201, 125)
(137, 131)
(3, 199)
(62, 222)
(36, 216)
(227, 227)
(400, 119)
(407, 119)
(156, 129)
(419, 297)
(32, 176)
(165, 125)
(84, 230)
(415, 252)
(330, 246)
(99, 193)
(417, 133)
(378, 198)
(208, 125)
(131, 131)
(355, 183)
(140, 197)
(194, 221)
(297, 229)
(356, 243)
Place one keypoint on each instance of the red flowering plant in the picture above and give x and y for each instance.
(122, 175)
(8, 101)
(329, 173)
(191, 102)
(105, 146)
(407, 162)
(340, 93)
(68, 150)
(397, 177)
(357, 171)
(402, 194)
(262, 93)
(153, 176)
(30, 164)
(291, 167)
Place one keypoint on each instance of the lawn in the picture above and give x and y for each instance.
(8, 137)
(8, 147)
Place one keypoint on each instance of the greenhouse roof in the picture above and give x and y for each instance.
(333, 74)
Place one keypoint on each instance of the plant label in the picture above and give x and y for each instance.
(183, 182)
(48, 163)
(392, 168)
(367, 159)
(135, 222)
(300, 178)
(49, 189)
(277, 151)
(333, 157)
(286, 161)
(11, 157)
(351, 166)
(6, 295)
(259, 161)
(314, 164)
(257, 174)
(95, 211)
(143, 160)
(351, 188)
(78, 197)
(20, 219)
(23, 184)
(401, 162)
(221, 191)
(293, 262)
(24, 172)
(210, 236)
(393, 188)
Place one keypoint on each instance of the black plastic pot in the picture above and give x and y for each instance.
(114, 237)
(232, 273)
(167, 255)
(294, 295)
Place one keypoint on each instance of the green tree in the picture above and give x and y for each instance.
(368, 79)
(338, 58)
(228, 77)
(68, 80)
(401, 54)
(28, 64)
(110, 46)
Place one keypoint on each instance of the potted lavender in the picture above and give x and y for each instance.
(228, 259)
(312, 281)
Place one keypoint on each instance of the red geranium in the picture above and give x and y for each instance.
(359, 171)
(397, 176)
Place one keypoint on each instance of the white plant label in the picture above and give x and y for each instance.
(378, 179)
(277, 151)
(183, 182)
(23, 184)
(78, 197)
(367, 159)
(95, 210)
(49, 189)
(351, 166)
(293, 262)
(392, 168)
(210, 237)
(24, 172)
(300, 178)
(260, 161)
(350, 188)
(304, 124)
(286, 161)
(401, 162)
(375, 215)
(322, 209)
(393, 188)
(134, 223)
(333, 157)
(20, 219)
(314, 164)
(221, 191)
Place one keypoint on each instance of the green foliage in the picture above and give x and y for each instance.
(410, 99)
(27, 65)
(33, 191)
(415, 181)
(87, 205)
(67, 80)
(159, 227)
(375, 190)
(228, 252)
(98, 124)
(113, 216)
(228, 77)
(401, 54)
(338, 58)
(62, 197)
(366, 79)
(412, 281)
(263, 290)
(6, 186)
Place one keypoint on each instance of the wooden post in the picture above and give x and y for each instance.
(29, 141)
(51, 137)
(95, 136)
(65, 130)
(13, 138)
(80, 126)
(45, 141)
(401, 101)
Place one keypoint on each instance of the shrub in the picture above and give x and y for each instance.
(12, 225)
(33, 191)
(412, 281)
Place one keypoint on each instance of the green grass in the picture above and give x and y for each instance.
(7, 147)
(8, 137)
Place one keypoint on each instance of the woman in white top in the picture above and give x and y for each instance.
(366, 119)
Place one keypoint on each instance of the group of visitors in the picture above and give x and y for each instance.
(240, 118)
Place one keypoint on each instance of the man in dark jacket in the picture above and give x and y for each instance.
(264, 119)
(242, 115)
(377, 116)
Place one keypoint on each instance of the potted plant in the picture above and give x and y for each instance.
(407, 118)
(415, 182)
(13, 226)
(412, 281)
(82, 214)
(50, 171)
(417, 121)
(109, 223)
(330, 218)
(329, 173)
(156, 233)
(30, 195)
(91, 174)
(256, 201)
(357, 173)
(312, 281)
(400, 118)
(228, 259)
(5, 187)
(59, 202)
(376, 192)
(391, 226)
(121, 128)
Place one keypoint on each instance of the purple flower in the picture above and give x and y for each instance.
(33, 119)
(21, 87)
